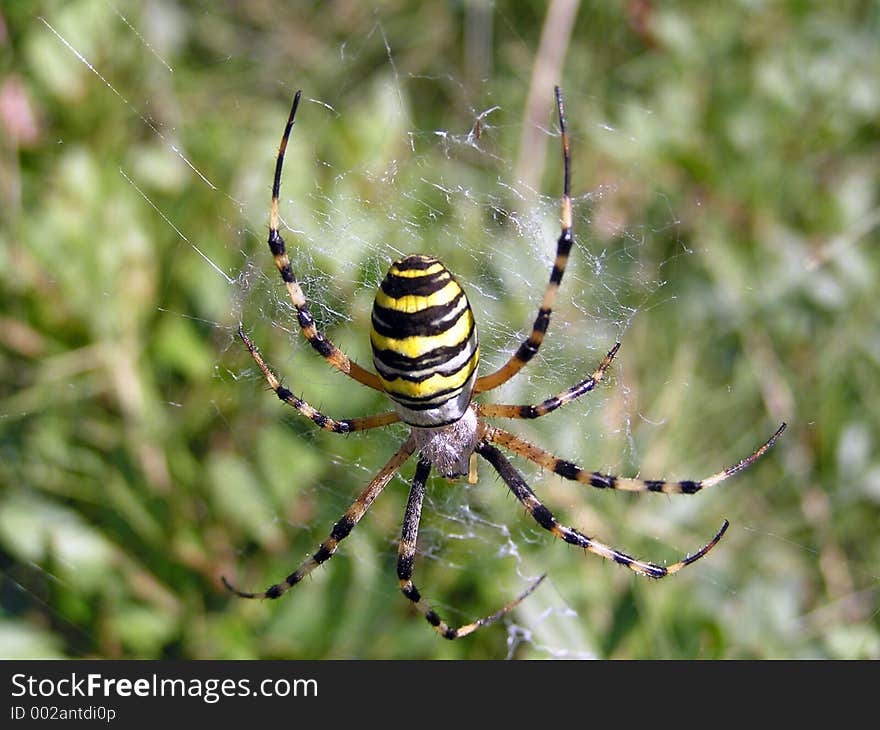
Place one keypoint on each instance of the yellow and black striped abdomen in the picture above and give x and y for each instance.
(424, 342)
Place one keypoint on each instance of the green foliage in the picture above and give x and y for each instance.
(725, 168)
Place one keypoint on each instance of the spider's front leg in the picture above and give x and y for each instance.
(569, 470)
(340, 531)
(406, 559)
(545, 519)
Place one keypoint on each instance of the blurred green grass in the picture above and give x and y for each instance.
(725, 160)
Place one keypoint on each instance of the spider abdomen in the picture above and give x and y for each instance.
(424, 339)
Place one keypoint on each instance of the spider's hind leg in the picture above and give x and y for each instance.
(317, 339)
(494, 410)
(347, 425)
(529, 347)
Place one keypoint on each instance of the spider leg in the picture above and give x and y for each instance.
(406, 558)
(317, 339)
(529, 347)
(569, 470)
(545, 519)
(340, 530)
(494, 410)
(319, 419)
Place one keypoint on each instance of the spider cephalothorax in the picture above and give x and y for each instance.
(425, 350)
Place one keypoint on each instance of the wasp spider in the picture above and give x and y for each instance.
(425, 351)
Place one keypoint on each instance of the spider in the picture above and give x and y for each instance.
(425, 351)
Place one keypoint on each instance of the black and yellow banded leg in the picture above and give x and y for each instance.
(340, 530)
(317, 339)
(529, 347)
(569, 470)
(347, 425)
(406, 558)
(494, 410)
(545, 519)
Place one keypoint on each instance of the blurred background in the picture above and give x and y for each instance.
(726, 214)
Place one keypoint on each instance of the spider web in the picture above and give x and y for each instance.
(453, 192)
(502, 240)
(506, 256)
